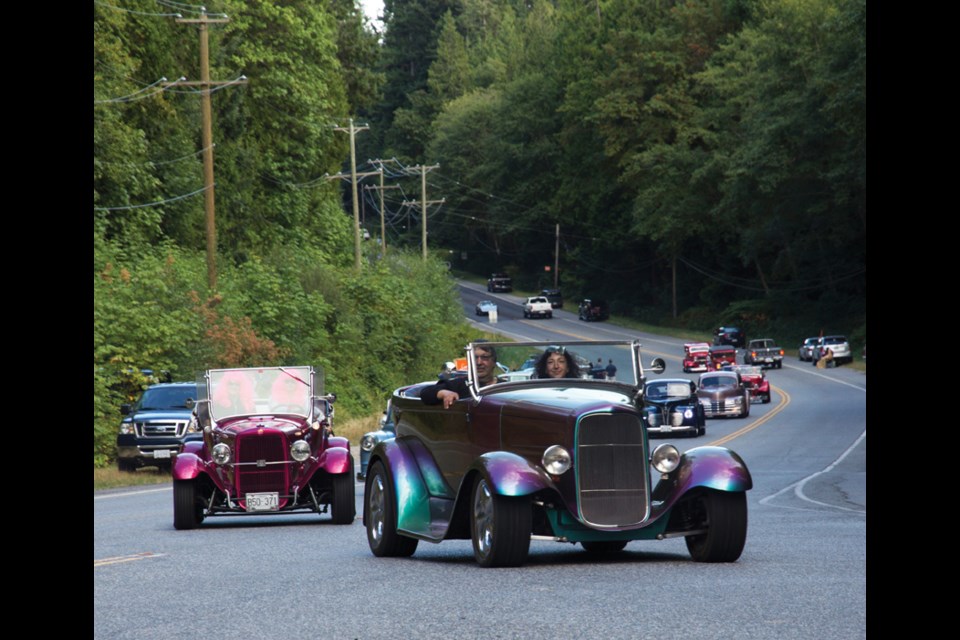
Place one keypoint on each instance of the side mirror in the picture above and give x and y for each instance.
(189, 403)
(125, 409)
(657, 365)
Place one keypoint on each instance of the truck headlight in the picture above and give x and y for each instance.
(300, 450)
(126, 428)
(368, 442)
(556, 460)
(220, 454)
(665, 458)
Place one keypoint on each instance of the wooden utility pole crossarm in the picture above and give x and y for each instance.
(353, 182)
(422, 170)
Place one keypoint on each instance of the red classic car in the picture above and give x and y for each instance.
(562, 459)
(268, 447)
(721, 355)
(755, 380)
(696, 357)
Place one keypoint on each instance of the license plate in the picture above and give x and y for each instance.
(162, 453)
(263, 501)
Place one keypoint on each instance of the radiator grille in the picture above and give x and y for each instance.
(253, 447)
(612, 470)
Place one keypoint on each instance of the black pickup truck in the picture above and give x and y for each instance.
(499, 282)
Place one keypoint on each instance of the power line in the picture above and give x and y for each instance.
(152, 204)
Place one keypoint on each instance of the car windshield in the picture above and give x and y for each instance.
(715, 382)
(158, 398)
(261, 391)
(664, 389)
(590, 362)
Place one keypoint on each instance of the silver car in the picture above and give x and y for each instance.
(806, 350)
(838, 345)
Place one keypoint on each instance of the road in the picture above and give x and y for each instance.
(802, 573)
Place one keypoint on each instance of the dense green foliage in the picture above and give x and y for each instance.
(704, 160)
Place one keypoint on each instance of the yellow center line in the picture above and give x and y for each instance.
(784, 401)
(102, 562)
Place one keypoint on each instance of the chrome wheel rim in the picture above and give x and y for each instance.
(377, 508)
(483, 518)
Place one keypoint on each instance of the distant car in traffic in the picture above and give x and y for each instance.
(805, 351)
(723, 394)
(554, 296)
(730, 336)
(484, 307)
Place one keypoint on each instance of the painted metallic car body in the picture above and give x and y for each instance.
(696, 357)
(670, 405)
(268, 447)
(721, 355)
(566, 459)
(755, 381)
(806, 349)
(723, 394)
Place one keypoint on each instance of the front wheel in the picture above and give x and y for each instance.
(381, 517)
(344, 507)
(500, 527)
(725, 516)
(187, 510)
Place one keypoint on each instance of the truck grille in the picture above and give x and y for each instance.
(253, 448)
(162, 428)
(612, 470)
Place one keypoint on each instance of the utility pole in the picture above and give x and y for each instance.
(207, 137)
(353, 185)
(424, 202)
(556, 260)
(383, 224)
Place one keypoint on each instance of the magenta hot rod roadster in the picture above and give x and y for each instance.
(268, 447)
(561, 459)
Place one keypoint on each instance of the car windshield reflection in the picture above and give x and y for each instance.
(536, 362)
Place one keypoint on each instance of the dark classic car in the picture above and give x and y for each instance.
(723, 394)
(153, 429)
(268, 447)
(730, 336)
(671, 406)
(561, 459)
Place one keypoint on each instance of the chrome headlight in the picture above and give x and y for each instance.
(300, 450)
(220, 453)
(688, 414)
(665, 458)
(556, 460)
(368, 442)
(126, 428)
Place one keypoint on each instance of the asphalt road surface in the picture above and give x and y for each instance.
(802, 573)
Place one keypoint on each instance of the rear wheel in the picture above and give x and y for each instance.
(381, 517)
(344, 507)
(187, 509)
(500, 527)
(725, 514)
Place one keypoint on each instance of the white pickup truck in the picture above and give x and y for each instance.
(537, 307)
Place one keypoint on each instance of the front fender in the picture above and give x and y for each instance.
(187, 466)
(335, 460)
(710, 467)
(410, 490)
(512, 475)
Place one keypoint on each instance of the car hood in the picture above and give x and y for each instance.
(165, 414)
(561, 400)
(722, 392)
(670, 402)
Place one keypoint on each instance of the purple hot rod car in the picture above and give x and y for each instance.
(564, 459)
(268, 447)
